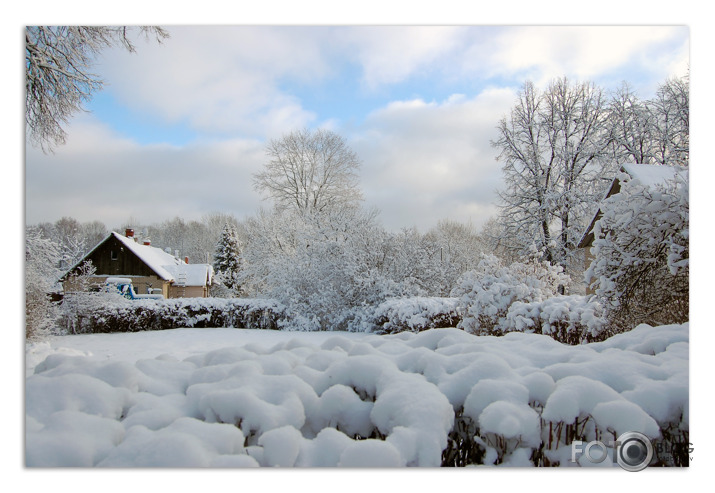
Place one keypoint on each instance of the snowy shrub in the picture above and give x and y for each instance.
(569, 319)
(107, 312)
(437, 397)
(486, 293)
(410, 314)
(74, 302)
(640, 269)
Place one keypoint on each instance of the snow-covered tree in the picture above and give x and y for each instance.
(227, 259)
(324, 266)
(310, 171)
(652, 131)
(58, 60)
(641, 261)
(553, 148)
(631, 126)
(41, 260)
(671, 108)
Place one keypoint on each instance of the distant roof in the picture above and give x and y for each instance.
(650, 175)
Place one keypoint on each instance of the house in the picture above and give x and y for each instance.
(151, 269)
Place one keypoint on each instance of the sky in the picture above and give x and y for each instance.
(180, 127)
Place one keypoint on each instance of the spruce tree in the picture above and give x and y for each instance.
(227, 261)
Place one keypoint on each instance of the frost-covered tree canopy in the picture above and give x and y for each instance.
(560, 148)
(553, 147)
(42, 257)
(653, 131)
(641, 252)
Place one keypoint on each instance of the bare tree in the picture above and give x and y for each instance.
(554, 149)
(93, 233)
(653, 131)
(631, 127)
(310, 171)
(58, 61)
(672, 122)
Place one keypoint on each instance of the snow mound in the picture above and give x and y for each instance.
(380, 400)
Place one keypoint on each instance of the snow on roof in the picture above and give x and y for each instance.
(166, 265)
(196, 274)
(155, 258)
(651, 175)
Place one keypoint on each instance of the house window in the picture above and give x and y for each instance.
(113, 255)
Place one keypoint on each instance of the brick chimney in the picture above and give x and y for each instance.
(147, 242)
(129, 233)
(186, 260)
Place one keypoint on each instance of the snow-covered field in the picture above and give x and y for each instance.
(233, 397)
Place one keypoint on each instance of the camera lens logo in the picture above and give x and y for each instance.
(634, 452)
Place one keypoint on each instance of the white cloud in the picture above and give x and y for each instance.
(99, 176)
(583, 52)
(232, 80)
(423, 162)
(221, 79)
(392, 54)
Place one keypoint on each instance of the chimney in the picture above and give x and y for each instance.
(129, 233)
(186, 260)
(147, 242)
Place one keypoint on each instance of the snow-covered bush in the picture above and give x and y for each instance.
(437, 397)
(640, 269)
(486, 293)
(77, 297)
(413, 314)
(571, 319)
(108, 312)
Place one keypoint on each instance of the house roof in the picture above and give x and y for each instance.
(166, 266)
(648, 175)
(194, 274)
(155, 258)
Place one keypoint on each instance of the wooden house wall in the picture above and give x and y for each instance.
(176, 291)
(126, 262)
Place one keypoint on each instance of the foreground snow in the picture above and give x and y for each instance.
(231, 398)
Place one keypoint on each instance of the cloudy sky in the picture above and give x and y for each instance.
(180, 127)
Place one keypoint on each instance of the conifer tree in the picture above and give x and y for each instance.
(227, 258)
